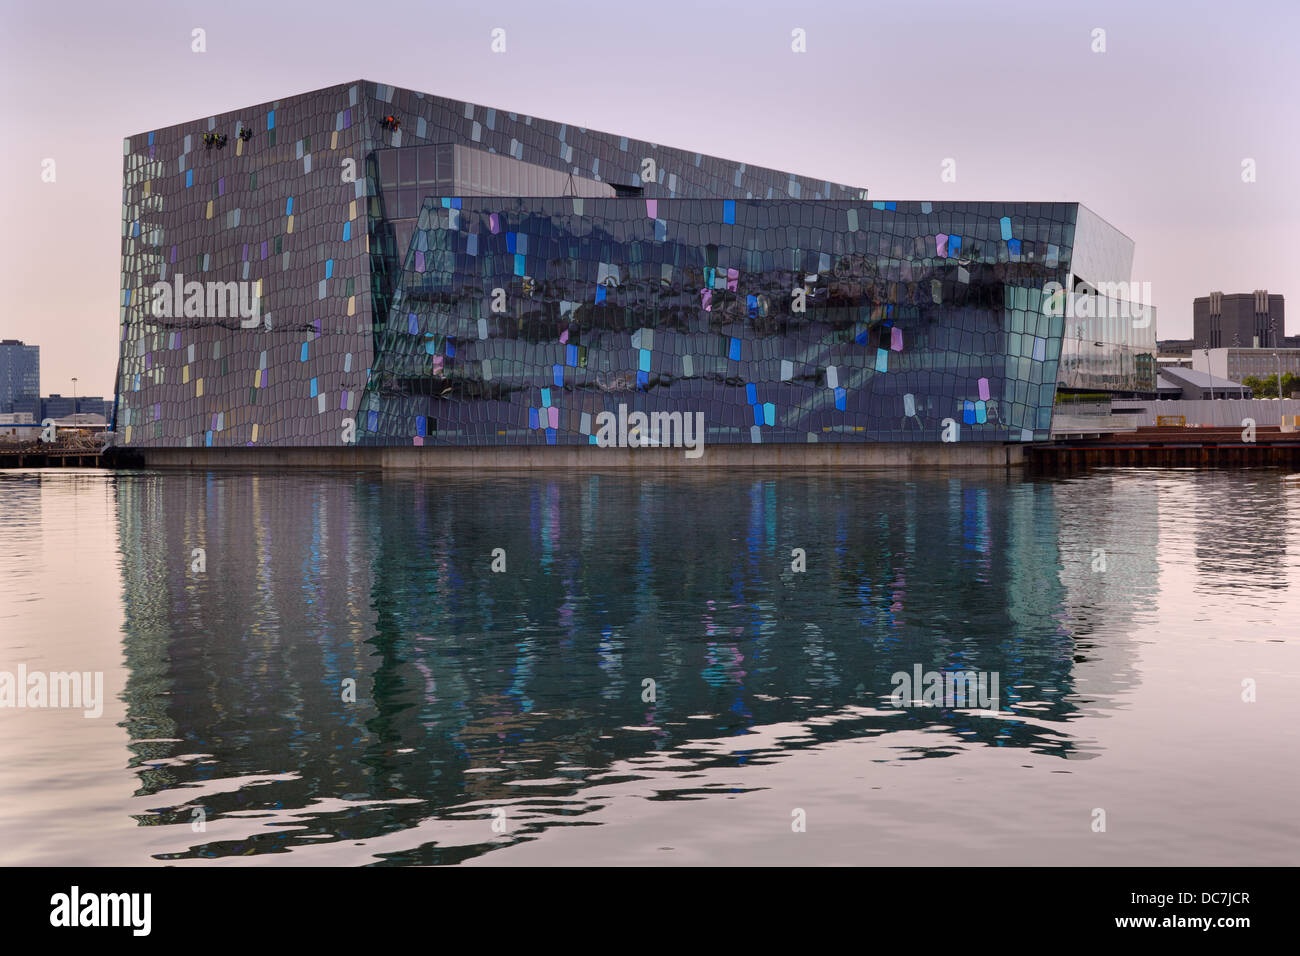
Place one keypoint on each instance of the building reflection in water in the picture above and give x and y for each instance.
(476, 686)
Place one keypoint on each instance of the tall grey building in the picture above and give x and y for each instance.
(1242, 320)
(20, 377)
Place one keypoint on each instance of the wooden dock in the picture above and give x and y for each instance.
(1152, 447)
(54, 455)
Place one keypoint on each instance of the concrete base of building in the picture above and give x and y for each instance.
(584, 457)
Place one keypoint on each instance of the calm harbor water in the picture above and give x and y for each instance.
(508, 716)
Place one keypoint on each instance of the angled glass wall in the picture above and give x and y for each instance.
(519, 321)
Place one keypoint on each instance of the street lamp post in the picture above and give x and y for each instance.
(1272, 327)
(74, 400)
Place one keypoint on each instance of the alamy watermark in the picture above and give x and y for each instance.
(960, 690)
(651, 430)
(57, 689)
(1106, 300)
(75, 909)
(210, 300)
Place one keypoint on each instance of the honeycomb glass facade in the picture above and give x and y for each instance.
(370, 265)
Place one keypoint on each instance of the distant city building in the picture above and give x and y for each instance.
(20, 377)
(82, 420)
(1172, 353)
(1241, 320)
(1238, 364)
(19, 433)
(1189, 384)
(18, 426)
(60, 406)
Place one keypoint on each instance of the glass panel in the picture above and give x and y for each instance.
(406, 167)
(408, 205)
(387, 167)
(427, 159)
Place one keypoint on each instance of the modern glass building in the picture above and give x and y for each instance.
(375, 266)
(20, 378)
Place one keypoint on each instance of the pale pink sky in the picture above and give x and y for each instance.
(1150, 134)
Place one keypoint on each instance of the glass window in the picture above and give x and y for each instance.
(406, 167)
(387, 167)
(427, 160)
(408, 204)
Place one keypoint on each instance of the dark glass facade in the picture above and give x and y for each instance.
(520, 321)
(61, 406)
(428, 271)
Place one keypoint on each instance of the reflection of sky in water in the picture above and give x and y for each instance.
(526, 689)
